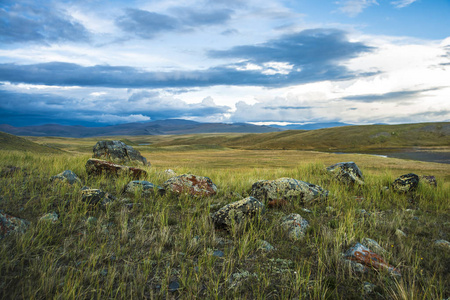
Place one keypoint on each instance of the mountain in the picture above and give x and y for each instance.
(162, 127)
(312, 126)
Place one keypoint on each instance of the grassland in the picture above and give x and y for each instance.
(141, 252)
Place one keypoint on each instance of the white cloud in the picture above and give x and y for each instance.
(402, 3)
(355, 7)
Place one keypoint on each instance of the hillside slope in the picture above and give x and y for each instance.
(12, 142)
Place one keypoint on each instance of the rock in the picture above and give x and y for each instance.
(144, 186)
(237, 212)
(49, 217)
(287, 189)
(400, 233)
(10, 224)
(95, 196)
(66, 176)
(347, 172)
(431, 180)
(295, 226)
(99, 167)
(191, 184)
(369, 243)
(118, 152)
(366, 257)
(173, 286)
(8, 171)
(265, 246)
(442, 243)
(368, 287)
(91, 221)
(406, 183)
(218, 253)
(170, 172)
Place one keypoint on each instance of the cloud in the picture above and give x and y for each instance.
(146, 24)
(389, 97)
(38, 108)
(355, 7)
(402, 3)
(30, 21)
(307, 56)
(197, 17)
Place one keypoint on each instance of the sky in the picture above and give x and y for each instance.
(98, 63)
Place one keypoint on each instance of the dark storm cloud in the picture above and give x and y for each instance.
(146, 24)
(312, 48)
(23, 108)
(35, 21)
(388, 97)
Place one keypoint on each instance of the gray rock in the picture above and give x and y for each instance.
(400, 233)
(265, 246)
(118, 152)
(66, 176)
(442, 243)
(368, 287)
(347, 172)
(191, 184)
(369, 243)
(95, 196)
(431, 180)
(170, 172)
(144, 186)
(10, 225)
(49, 217)
(406, 183)
(174, 286)
(218, 253)
(295, 226)
(287, 189)
(237, 212)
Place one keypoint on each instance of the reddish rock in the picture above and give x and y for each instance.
(99, 167)
(191, 184)
(10, 224)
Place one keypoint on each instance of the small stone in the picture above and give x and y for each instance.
(372, 244)
(306, 210)
(265, 246)
(406, 183)
(66, 176)
(400, 233)
(170, 172)
(295, 226)
(347, 172)
(368, 287)
(431, 180)
(442, 243)
(104, 272)
(218, 253)
(144, 186)
(91, 221)
(10, 224)
(50, 217)
(173, 286)
(95, 196)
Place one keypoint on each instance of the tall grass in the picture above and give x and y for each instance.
(140, 252)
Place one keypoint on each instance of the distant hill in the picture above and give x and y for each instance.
(366, 138)
(312, 126)
(12, 142)
(163, 127)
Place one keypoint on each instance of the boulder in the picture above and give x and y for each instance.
(431, 180)
(237, 212)
(49, 217)
(144, 186)
(191, 184)
(10, 224)
(95, 196)
(287, 189)
(118, 152)
(362, 255)
(99, 167)
(406, 183)
(66, 176)
(295, 226)
(347, 172)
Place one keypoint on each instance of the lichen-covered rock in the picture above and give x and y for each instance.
(191, 184)
(98, 167)
(366, 257)
(237, 212)
(443, 243)
(10, 224)
(95, 196)
(118, 152)
(295, 226)
(406, 183)
(431, 180)
(265, 246)
(66, 176)
(287, 189)
(347, 172)
(144, 186)
(49, 217)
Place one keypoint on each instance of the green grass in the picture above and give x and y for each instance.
(137, 253)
